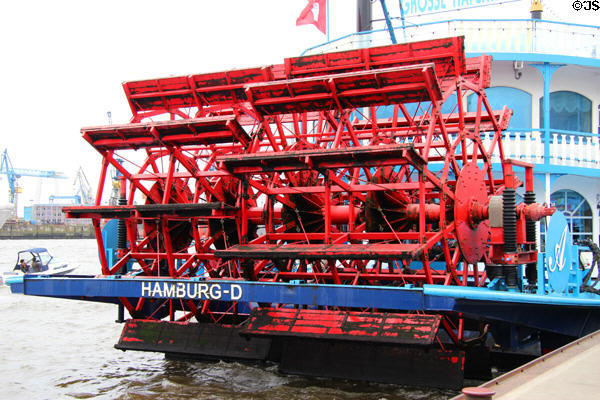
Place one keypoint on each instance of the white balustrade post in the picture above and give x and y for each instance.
(528, 144)
(594, 152)
(581, 156)
(587, 147)
(505, 144)
(588, 152)
(554, 149)
(517, 145)
(563, 151)
(488, 140)
(572, 148)
(536, 143)
(539, 147)
(580, 152)
(508, 152)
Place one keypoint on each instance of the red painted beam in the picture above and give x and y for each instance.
(451, 122)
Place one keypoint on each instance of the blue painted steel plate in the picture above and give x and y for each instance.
(109, 289)
(109, 238)
(558, 253)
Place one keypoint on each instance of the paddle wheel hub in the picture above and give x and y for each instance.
(472, 229)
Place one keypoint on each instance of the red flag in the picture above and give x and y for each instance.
(314, 13)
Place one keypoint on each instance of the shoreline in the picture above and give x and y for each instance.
(45, 231)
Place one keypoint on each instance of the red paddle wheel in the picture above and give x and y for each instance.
(357, 167)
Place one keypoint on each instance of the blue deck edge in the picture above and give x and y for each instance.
(573, 316)
(428, 298)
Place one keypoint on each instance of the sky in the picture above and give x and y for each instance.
(63, 62)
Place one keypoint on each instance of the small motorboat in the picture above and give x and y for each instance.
(36, 261)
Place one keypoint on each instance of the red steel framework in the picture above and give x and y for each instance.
(344, 168)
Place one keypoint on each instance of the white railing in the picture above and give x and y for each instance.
(567, 148)
(487, 36)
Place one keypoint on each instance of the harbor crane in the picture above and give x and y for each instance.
(75, 198)
(83, 191)
(13, 175)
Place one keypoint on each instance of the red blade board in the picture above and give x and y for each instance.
(319, 159)
(348, 90)
(203, 340)
(200, 131)
(196, 90)
(372, 251)
(479, 70)
(227, 87)
(145, 210)
(344, 325)
(446, 53)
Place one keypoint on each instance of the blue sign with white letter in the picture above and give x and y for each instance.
(559, 248)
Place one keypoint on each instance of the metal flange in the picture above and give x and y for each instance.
(472, 234)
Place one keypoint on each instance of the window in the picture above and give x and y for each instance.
(517, 100)
(569, 111)
(577, 212)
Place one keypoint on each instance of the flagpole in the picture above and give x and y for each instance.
(327, 17)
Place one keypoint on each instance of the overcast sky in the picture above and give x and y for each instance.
(63, 61)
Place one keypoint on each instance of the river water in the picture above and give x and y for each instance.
(63, 349)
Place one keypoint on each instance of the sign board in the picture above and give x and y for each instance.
(421, 7)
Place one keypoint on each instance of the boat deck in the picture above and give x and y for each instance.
(570, 372)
